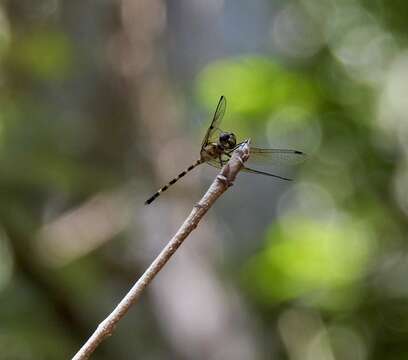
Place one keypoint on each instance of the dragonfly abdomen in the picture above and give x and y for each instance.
(177, 178)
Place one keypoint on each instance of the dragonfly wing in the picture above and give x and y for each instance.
(253, 171)
(215, 163)
(276, 156)
(218, 115)
(266, 157)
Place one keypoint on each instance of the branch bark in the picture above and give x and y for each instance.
(221, 183)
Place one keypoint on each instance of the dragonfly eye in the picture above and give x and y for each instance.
(224, 137)
(228, 140)
(232, 141)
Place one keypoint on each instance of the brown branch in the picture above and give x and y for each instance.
(221, 183)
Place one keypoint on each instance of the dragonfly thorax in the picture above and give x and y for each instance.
(227, 141)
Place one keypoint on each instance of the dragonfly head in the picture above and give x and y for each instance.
(227, 140)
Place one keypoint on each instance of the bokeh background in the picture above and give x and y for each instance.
(101, 102)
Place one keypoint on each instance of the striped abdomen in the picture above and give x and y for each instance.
(178, 177)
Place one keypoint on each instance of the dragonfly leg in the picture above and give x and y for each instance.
(221, 162)
(235, 148)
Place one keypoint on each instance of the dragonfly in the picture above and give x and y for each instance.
(217, 148)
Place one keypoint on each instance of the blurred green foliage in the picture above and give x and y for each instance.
(302, 258)
(257, 86)
(44, 53)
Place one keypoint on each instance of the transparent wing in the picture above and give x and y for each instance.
(253, 171)
(276, 156)
(266, 157)
(218, 115)
(216, 163)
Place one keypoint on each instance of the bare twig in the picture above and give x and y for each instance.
(221, 183)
